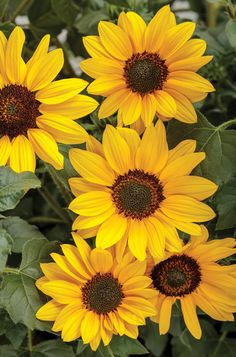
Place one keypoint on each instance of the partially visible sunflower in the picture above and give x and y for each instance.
(194, 278)
(147, 69)
(93, 295)
(137, 190)
(36, 111)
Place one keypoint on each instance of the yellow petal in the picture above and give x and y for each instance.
(187, 227)
(3, 45)
(96, 67)
(115, 40)
(112, 103)
(185, 111)
(71, 326)
(131, 108)
(102, 260)
(156, 237)
(92, 167)
(44, 70)
(165, 105)
(15, 65)
(157, 28)
(193, 186)
(91, 203)
(138, 238)
(190, 64)
(189, 81)
(182, 166)
(106, 85)
(46, 147)
(165, 315)
(53, 272)
(183, 148)
(62, 129)
(5, 149)
(190, 316)
(192, 48)
(71, 310)
(74, 108)
(49, 311)
(73, 257)
(111, 231)
(186, 209)
(94, 145)
(62, 291)
(22, 157)
(60, 91)
(89, 326)
(92, 221)
(152, 153)
(116, 150)
(133, 140)
(95, 47)
(79, 185)
(41, 50)
(176, 37)
(135, 27)
(149, 108)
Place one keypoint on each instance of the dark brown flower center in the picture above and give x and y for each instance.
(102, 294)
(178, 275)
(137, 194)
(18, 110)
(145, 72)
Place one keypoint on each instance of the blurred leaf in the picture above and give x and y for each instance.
(118, 2)
(65, 10)
(52, 348)
(20, 232)
(16, 334)
(230, 30)
(8, 351)
(87, 24)
(5, 247)
(226, 205)
(218, 144)
(124, 346)
(153, 340)
(3, 8)
(13, 186)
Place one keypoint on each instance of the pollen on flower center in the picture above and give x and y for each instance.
(102, 294)
(137, 194)
(178, 275)
(18, 110)
(145, 72)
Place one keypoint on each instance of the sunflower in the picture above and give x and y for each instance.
(138, 191)
(194, 278)
(35, 111)
(147, 69)
(93, 295)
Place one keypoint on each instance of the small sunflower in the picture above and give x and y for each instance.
(194, 278)
(137, 190)
(147, 69)
(93, 295)
(35, 111)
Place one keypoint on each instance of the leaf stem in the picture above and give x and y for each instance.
(227, 124)
(30, 344)
(43, 219)
(19, 9)
(54, 205)
(221, 339)
(8, 270)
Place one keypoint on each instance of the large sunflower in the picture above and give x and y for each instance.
(34, 111)
(147, 69)
(138, 190)
(194, 278)
(93, 295)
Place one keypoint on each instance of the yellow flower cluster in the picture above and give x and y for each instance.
(133, 193)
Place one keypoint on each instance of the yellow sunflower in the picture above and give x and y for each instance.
(35, 111)
(137, 190)
(147, 69)
(93, 295)
(194, 278)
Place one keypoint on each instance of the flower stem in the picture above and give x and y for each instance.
(30, 344)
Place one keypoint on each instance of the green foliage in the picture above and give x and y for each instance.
(34, 217)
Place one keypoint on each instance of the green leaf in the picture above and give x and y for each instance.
(20, 231)
(13, 187)
(186, 345)
(34, 252)
(226, 205)
(120, 3)
(16, 334)
(87, 24)
(230, 30)
(123, 346)
(66, 10)
(8, 351)
(218, 144)
(5, 248)
(153, 340)
(52, 348)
